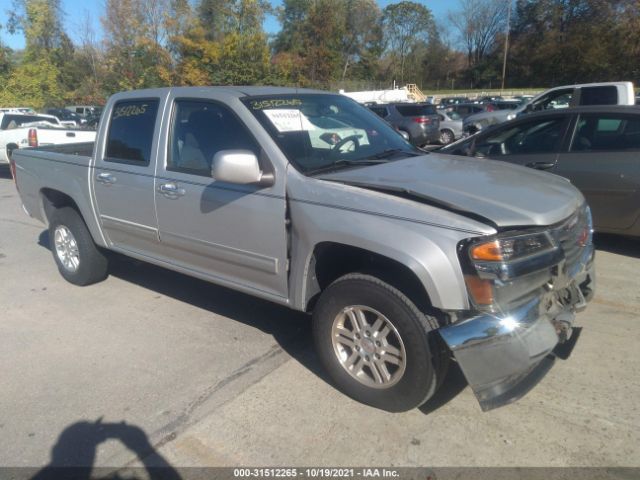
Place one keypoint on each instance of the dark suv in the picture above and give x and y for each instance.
(419, 120)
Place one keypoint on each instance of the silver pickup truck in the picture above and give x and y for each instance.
(405, 259)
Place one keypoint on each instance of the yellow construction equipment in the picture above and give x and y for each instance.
(415, 93)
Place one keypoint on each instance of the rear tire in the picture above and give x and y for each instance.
(446, 136)
(393, 341)
(79, 259)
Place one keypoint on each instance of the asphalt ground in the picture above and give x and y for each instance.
(151, 366)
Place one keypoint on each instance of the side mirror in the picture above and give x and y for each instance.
(239, 166)
(404, 135)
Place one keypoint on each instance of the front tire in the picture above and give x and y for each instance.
(79, 259)
(375, 343)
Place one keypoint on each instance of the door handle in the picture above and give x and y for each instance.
(171, 190)
(71, 134)
(106, 178)
(541, 165)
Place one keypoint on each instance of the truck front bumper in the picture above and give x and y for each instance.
(503, 356)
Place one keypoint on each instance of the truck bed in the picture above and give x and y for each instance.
(61, 168)
(84, 149)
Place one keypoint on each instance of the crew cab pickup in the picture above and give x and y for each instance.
(308, 199)
(18, 130)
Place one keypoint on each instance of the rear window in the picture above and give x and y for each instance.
(599, 95)
(416, 110)
(131, 129)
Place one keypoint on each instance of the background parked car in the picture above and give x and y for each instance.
(66, 117)
(494, 113)
(450, 127)
(595, 147)
(466, 109)
(453, 100)
(419, 120)
(85, 110)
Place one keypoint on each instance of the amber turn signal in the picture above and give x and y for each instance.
(489, 251)
(481, 290)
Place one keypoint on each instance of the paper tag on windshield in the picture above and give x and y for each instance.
(287, 120)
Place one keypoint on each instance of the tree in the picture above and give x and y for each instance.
(479, 23)
(293, 16)
(34, 84)
(553, 40)
(46, 54)
(135, 55)
(406, 25)
(362, 32)
(6, 63)
(41, 23)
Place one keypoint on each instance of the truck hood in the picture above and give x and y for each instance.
(498, 193)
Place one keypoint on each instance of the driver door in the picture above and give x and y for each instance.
(532, 143)
(230, 234)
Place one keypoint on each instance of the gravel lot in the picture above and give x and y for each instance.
(204, 376)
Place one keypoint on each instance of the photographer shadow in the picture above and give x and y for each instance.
(74, 454)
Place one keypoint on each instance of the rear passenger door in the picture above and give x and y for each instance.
(123, 176)
(228, 233)
(603, 161)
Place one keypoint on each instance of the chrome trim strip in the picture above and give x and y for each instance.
(119, 224)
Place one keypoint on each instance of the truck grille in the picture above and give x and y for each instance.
(574, 236)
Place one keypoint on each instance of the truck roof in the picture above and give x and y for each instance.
(236, 91)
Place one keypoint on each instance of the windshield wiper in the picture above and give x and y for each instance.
(397, 151)
(344, 163)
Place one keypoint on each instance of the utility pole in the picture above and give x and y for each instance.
(506, 43)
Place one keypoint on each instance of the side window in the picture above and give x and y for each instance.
(555, 99)
(380, 111)
(534, 137)
(80, 110)
(200, 129)
(606, 133)
(131, 130)
(599, 95)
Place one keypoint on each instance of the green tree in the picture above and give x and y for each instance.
(45, 57)
(406, 25)
(134, 54)
(362, 38)
(33, 83)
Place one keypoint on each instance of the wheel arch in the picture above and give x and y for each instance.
(329, 260)
(52, 199)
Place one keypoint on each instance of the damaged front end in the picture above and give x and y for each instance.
(525, 288)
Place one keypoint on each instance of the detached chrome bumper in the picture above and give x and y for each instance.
(503, 356)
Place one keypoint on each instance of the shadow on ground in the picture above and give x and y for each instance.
(453, 384)
(627, 246)
(74, 453)
(289, 328)
(5, 172)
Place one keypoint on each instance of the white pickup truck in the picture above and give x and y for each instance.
(18, 130)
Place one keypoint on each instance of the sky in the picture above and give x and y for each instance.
(76, 10)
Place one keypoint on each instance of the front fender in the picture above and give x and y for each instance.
(430, 252)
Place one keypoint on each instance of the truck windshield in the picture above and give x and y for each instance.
(318, 131)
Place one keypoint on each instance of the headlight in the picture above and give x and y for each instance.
(511, 116)
(493, 265)
(510, 249)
